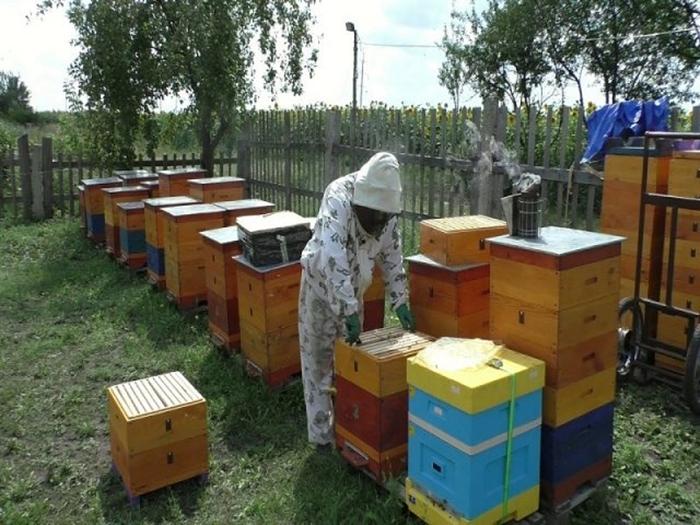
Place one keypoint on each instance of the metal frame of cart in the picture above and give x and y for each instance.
(639, 345)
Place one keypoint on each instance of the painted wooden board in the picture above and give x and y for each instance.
(220, 246)
(684, 177)
(94, 198)
(273, 351)
(152, 186)
(439, 324)
(243, 207)
(217, 189)
(562, 405)
(378, 465)
(135, 177)
(174, 182)
(628, 169)
(459, 240)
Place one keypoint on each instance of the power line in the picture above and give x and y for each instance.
(378, 44)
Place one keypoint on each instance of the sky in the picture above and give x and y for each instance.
(40, 52)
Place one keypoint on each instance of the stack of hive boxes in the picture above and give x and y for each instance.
(184, 251)
(94, 205)
(371, 404)
(173, 183)
(450, 279)
(112, 197)
(555, 298)
(132, 235)
(475, 416)
(217, 189)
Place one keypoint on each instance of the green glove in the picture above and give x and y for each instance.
(408, 322)
(352, 329)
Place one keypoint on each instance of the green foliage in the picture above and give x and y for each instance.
(14, 99)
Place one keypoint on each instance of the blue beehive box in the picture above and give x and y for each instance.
(462, 394)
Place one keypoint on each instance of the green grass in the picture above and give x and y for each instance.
(72, 323)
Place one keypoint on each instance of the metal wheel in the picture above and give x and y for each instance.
(625, 335)
(692, 373)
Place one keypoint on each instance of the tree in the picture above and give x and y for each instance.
(132, 54)
(452, 74)
(14, 99)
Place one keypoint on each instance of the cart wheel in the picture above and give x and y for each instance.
(692, 373)
(625, 335)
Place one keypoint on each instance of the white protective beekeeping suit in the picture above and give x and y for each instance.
(337, 267)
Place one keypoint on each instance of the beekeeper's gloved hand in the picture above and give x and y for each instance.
(352, 329)
(408, 322)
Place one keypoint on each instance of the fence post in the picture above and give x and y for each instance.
(331, 155)
(37, 177)
(47, 175)
(695, 125)
(243, 151)
(486, 182)
(25, 169)
(287, 160)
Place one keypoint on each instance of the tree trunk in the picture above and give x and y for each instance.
(207, 155)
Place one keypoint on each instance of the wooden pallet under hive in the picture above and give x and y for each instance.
(455, 241)
(94, 205)
(158, 432)
(132, 234)
(449, 301)
(185, 276)
(217, 189)
(243, 207)
(268, 306)
(173, 183)
(371, 403)
(112, 197)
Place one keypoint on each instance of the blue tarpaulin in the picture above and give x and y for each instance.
(624, 119)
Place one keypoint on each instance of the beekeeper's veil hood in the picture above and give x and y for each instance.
(378, 184)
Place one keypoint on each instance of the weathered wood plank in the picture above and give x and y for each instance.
(545, 163)
(563, 142)
(25, 176)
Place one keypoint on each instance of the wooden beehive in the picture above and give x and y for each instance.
(220, 246)
(373, 302)
(449, 301)
(155, 233)
(268, 304)
(112, 197)
(185, 276)
(94, 205)
(455, 241)
(242, 207)
(81, 207)
(135, 177)
(371, 404)
(158, 432)
(217, 189)
(132, 234)
(173, 183)
(152, 186)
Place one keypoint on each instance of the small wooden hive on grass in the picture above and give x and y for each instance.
(242, 207)
(217, 189)
(112, 197)
(135, 177)
(371, 404)
(185, 277)
(220, 246)
(155, 233)
(94, 205)
(173, 183)
(158, 433)
(455, 241)
(268, 305)
(132, 234)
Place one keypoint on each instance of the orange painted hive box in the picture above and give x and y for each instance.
(132, 234)
(158, 432)
(220, 246)
(112, 197)
(155, 233)
(371, 404)
(449, 301)
(268, 311)
(454, 241)
(217, 189)
(185, 276)
(94, 205)
(173, 183)
(242, 207)
(135, 177)
(373, 299)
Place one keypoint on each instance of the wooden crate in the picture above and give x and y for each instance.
(556, 298)
(220, 246)
(185, 276)
(112, 197)
(132, 235)
(455, 241)
(94, 205)
(158, 432)
(135, 177)
(173, 183)
(242, 207)
(155, 233)
(268, 303)
(371, 404)
(81, 207)
(449, 301)
(153, 186)
(217, 189)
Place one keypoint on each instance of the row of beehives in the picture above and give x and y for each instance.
(180, 226)
(675, 173)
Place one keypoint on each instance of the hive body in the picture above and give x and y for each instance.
(112, 197)
(94, 205)
(217, 189)
(173, 183)
(456, 241)
(132, 234)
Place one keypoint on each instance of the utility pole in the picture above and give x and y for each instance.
(353, 132)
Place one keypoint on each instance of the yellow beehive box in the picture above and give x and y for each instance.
(112, 197)
(174, 182)
(564, 404)
(455, 241)
(217, 189)
(158, 432)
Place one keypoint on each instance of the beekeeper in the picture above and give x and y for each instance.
(357, 226)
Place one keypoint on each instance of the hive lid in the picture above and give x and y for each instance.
(169, 201)
(474, 374)
(557, 241)
(150, 183)
(467, 223)
(154, 394)
(387, 343)
(226, 235)
(244, 204)
(271, 222)
(126, 189)
(215, 180)
(99, 182)
(241, 259)
(130, 206)
(182, 171)
(134, 174)
(422, 259)
(192, 209)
